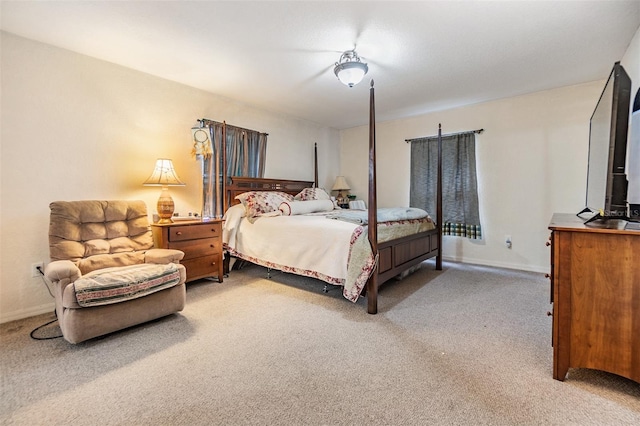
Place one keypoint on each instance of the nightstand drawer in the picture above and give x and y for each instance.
(198, 248)
(202, 266)
(194, 232)
(201, 243)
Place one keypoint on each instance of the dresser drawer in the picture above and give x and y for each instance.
(204, 266)
(194, 232)
(197, 248)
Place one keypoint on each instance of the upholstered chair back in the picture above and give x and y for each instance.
(99, 234)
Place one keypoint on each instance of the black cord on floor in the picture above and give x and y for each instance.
(38, 328)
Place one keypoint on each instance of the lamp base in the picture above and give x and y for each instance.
(165, 206)
(342, 198)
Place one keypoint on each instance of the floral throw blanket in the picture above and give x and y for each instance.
(112, 285)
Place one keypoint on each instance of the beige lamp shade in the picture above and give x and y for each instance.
(164, 175)
(341, 184)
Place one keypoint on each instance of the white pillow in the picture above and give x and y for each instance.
(235, 212)
(290, 208)
(233, 216)
(357, 205)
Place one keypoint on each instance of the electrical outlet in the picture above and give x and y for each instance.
(34, 269)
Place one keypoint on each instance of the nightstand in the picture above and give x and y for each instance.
(201, 242)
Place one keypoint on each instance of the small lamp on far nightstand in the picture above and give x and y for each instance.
(165, 176)
(341, 185)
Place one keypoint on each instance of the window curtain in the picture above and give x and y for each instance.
(460, 209)
(245, 156)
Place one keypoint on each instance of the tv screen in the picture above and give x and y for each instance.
(606, 178)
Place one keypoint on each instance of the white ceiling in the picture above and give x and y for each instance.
(423, 55)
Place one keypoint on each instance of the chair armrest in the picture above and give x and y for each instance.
(60, 270)
(163, 256)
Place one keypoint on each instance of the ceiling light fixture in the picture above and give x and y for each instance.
(350, 70)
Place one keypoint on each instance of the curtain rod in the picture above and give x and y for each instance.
(208, 121)
(478, 131)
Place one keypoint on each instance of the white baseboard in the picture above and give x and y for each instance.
(506, 265)
(26, 313)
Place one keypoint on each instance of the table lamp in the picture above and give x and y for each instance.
(340, 185)
(165, 176)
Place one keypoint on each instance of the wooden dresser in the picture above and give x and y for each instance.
(595, 291)
(201, 242)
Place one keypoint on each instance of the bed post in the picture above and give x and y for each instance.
(223, 148)
(226, 259)
(439, 200)
(372, 283)
(315, 165)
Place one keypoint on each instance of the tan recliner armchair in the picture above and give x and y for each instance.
(106, 275)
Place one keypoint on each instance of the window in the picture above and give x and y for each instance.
(460, 209)
(245, 156)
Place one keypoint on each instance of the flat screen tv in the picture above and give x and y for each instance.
(606, 177)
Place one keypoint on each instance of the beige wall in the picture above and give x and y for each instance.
(532, 162)
(631, 63)
(78, 128)
(73, 127)
(531, 157)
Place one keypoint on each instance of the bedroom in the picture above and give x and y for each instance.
(77, 127)
(64, 108)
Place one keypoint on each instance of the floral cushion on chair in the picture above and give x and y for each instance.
(118, 284)
(260, 203)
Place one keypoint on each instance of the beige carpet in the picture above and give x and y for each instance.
(468, 345)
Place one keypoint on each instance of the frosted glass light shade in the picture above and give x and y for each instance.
(350, 70)
(351, 73)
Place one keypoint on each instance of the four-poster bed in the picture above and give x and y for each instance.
(405, 243)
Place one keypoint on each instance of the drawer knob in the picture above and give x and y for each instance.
(179, 233)
(549, 313)
(547, 275)
(212, 245)
(548, 243)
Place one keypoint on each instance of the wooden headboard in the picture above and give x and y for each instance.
(239, 184)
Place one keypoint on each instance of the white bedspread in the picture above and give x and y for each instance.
(335, 251)
(306, 242)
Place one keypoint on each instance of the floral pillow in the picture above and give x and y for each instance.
(308, 194)
(259, 203)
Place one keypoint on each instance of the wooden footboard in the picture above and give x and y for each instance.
(398, 255)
